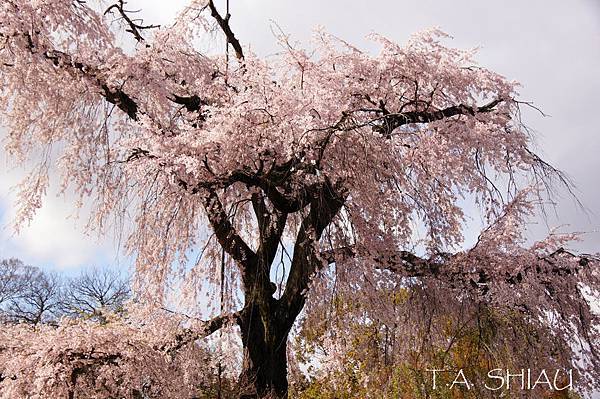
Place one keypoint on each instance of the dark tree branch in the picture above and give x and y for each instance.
(114, 96)
(190, 335)
(271, 225)
(324, 206)
(191, 103)
(269, 184)
(224, 24)
(403, 262)
(410, 265)
(134, 28)
(119, 98)
(68, 63)
(393, 121)
(228, 238)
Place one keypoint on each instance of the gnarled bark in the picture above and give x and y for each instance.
(264, 337)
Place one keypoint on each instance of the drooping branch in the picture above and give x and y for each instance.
(114, 96)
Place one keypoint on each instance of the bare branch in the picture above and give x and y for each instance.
(134, 28)
(94, 292)
(224, 24)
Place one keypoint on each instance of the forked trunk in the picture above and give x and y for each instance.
(265, 322)
(264, 372)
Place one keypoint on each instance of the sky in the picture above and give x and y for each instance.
(551, 46)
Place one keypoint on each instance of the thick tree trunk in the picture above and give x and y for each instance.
(265, 322)
(264, 337)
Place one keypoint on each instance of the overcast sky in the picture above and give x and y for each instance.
(551, 47)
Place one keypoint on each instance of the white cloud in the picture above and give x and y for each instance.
(56, 237)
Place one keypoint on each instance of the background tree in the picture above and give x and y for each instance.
(94, 292)
(334, 153)
(38, 300)
(13, 278)
(28, 294)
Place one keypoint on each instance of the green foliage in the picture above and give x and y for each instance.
(374, 367)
